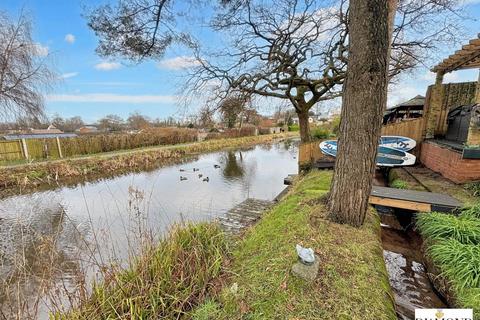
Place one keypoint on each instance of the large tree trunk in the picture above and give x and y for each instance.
(304, 126)
(364, 100)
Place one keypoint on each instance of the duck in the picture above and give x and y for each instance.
(200, 175)
(195, 169)
(206, 179)
(183, 178)
(216, 166)
(182, 170)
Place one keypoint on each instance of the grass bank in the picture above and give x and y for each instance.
(452, 247)
(30, 176)
(352, 283)
(167, 281)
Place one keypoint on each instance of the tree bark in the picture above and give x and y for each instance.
(304, 126)
(364, 100)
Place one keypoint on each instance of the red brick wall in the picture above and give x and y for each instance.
(449, 163)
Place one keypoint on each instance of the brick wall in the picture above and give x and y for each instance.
(449, 163)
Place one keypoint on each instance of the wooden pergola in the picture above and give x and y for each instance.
(466, 58)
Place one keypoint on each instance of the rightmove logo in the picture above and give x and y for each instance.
(443, 314)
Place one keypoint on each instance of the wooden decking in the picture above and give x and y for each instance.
(243, 215)
(413, 200)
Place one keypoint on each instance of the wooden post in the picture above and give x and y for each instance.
(59, 147)
(25, 149)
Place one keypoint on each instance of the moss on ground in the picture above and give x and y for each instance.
(437, 183)
(399, 178)
(352, 284)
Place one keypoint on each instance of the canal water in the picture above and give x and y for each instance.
(51, 239)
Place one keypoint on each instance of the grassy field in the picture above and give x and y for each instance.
(352, 284)
(25, 177)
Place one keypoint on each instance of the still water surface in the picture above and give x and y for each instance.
(56, 233)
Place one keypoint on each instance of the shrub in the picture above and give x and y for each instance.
(294, 127)
(440, 226)
(321, 133)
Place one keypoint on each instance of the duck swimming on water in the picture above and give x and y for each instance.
(200, 175)
(183, 178)
(206, 179)
(216, 166)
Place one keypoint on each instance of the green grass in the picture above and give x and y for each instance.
(459, 262)
(399, 184)
(167, 281)
(453, 245)
(439, 226)
(352, 284)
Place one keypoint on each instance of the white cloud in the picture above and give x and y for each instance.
(178, 63)
(111, 98)
(41, 50)
(70, 38)
(69, 75)
(107, 66)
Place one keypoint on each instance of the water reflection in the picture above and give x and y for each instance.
(233, 168)
(61, 228)
(40, 247)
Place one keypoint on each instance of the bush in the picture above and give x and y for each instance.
(321, 133)
(112, 142)
(294, 127)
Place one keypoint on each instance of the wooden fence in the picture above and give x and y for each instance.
(54, 148)
(11, 150)
(408, 128)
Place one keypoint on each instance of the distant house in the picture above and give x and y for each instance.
(50, 132)
(87, 130)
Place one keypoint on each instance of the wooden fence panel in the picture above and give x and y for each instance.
(42, 148)
(408, 128)
(11, 150)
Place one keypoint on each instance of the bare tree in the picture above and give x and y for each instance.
(205, 117)
(135, 29)
(287, 49)
(232, 109)
(24, 72)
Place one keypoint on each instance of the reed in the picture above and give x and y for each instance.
(167, 281)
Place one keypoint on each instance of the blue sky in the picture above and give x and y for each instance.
(93, 87)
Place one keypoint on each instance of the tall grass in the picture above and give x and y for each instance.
(459, 262)
(166, 282)
(439, 226)
(453, 244)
